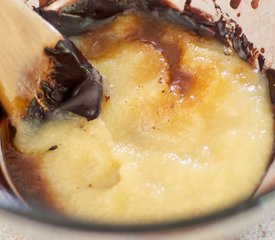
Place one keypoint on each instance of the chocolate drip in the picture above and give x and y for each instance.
(255, 4)
(74, 85)
(235, 3)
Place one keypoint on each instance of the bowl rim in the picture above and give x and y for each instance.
(47, 217)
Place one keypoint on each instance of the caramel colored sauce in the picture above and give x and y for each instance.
(162, 36)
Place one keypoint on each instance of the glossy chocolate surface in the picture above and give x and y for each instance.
(77, 85)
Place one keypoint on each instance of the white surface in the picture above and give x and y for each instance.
(265, 230)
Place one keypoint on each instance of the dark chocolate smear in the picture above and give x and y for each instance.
(96, 9)
(74, 85)
(69, 24)
(85, 15)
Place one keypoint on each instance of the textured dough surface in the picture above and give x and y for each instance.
(154, 154)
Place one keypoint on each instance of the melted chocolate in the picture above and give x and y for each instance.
(77, 86)
(23, 171)
(85, 15)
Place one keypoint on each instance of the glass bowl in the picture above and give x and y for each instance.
(42, 224)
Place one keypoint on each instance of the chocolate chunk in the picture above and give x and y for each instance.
(74, 85)
(79, 84)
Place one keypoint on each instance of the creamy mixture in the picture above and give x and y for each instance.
(159, 150)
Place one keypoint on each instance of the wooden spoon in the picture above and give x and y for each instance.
(24, 36)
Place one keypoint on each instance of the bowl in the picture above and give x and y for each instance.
(42, 224)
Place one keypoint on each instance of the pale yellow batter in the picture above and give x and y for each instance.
(153, 154)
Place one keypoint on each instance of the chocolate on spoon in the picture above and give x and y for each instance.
(34, 83)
